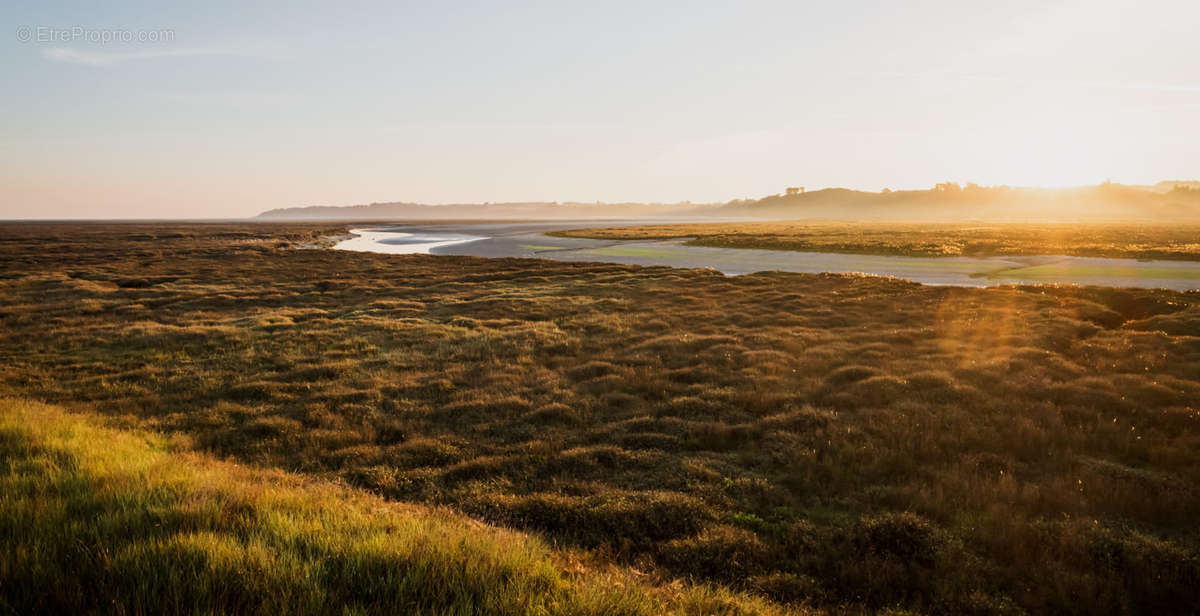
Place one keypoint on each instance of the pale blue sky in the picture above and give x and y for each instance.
(254, 107)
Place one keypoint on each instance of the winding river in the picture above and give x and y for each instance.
(530, 240)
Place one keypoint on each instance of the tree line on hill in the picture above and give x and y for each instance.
(1169, 200)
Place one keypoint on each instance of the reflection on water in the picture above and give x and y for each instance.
(401, 243)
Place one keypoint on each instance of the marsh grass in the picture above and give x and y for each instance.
(95, 519)
(1114, 240)
(853, 442)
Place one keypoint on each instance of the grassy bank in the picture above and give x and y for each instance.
(1115, 240)
(853, 442)
(94, 519)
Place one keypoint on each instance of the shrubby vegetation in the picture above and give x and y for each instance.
(846, 442)
(1116, 240)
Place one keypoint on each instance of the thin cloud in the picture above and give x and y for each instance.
(109, 58)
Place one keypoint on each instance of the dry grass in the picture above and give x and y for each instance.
(1118, 240)
(849, 442)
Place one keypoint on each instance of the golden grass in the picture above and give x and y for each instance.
(1116, 240)
(852, 442)
(96, 519)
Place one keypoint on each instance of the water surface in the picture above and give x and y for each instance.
(401, 242)
(530, 240)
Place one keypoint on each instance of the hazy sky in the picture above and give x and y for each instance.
(245, 108)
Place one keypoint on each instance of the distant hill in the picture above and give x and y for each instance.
(950, 201)
(500, 211)
(1171, 200)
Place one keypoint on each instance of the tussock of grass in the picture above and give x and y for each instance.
(93, 519)
(1027, 448)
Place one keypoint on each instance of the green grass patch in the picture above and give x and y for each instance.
(96, 519)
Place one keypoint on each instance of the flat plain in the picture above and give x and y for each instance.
(778, 441)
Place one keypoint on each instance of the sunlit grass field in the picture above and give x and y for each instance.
(97, 520)
(840, 443)
(1114, 240)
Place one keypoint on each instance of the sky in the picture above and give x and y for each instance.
(226, 109)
